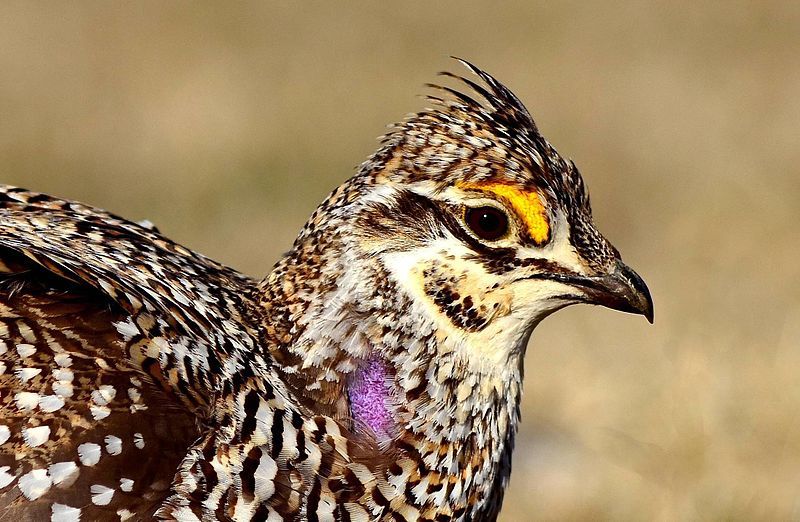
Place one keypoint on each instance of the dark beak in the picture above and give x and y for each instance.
(621, 290)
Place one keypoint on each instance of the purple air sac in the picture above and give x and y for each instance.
(369, 397)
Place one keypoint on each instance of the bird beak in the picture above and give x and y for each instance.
(622, 290)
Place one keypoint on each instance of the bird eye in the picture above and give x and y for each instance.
(487, 223)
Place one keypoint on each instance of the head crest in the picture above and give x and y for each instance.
(482, 134)
(505, 107)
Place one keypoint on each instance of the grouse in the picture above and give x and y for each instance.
(374, 374)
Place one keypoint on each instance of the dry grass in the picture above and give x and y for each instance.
(226, 124)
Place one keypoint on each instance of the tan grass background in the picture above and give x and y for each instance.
(226, 123)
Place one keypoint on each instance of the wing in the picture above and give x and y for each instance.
(114, 342)
(135, 384)
(83, 430)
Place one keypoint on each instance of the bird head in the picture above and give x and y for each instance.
(478, 219)
(478, 224)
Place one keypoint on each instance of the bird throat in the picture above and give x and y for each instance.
(354, 346)
(368, 391)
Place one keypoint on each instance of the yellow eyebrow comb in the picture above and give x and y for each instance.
(527, 205)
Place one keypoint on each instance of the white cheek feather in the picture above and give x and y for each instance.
(524, 303)
(404, 265)
(539, 297)
(485, 351)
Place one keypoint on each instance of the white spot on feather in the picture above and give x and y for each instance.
(99, 412)
(26, 374)
(134, 395)
(104, 394)
(126, 485)
(5, 434)
(89, 453)
(6, 478)
(63, 374)
(34, 484)
(101, 495)
(125, 514)
(26, 400)
(64, 474)
(113, 445)
(36, 436)
(25, 350)
(138, 440)
(63, 389)
(64, 513)
(51, 403)
(3, 346)
(127, 329)
(26, 332)
(3, 368)
(63, 360)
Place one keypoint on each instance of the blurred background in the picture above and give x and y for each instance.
(226, 123)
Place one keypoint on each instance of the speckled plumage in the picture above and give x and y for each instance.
(374, 374)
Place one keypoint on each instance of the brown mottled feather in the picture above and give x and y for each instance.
(88, 397)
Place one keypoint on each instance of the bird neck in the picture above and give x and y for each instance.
(352, 345)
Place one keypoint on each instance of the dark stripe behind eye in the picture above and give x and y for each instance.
(412, 216)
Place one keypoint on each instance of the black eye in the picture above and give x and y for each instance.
(487, 223)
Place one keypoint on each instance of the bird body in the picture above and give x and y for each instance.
(374, 374)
